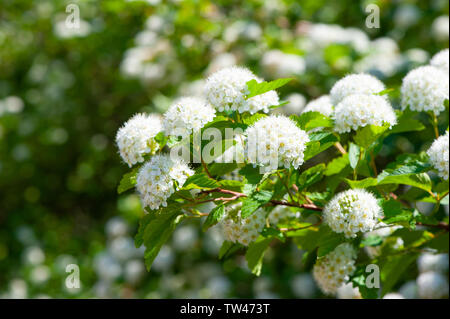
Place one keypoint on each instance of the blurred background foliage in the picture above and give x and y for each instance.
(64, 93)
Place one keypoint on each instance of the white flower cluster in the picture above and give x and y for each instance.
(187, 114)
(227, 90)
(359, 110)
(279, 64)
(279, 213)
(275, 139)
(159, 178)
(352, 211)
(242, 230)
(425, 89)
(438, 154)
(322, 105)
(432, 285)
(382, 231)
(136, 138)
(441, 60)
(334, 269)
(355, 84)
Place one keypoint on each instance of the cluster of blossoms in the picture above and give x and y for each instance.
(432, 285)
(159, 178)
(136, 138)
(441, 60)
(352, 211)
(186, 115)
(322, 105)
(227, 90)
(279, 213)
(279, 64)
(358, 110)
(438, 154)
(275, 139)
(242, 230)
(334, 269)
(355, 84)
(425, 89)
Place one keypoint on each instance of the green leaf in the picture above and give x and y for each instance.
(353, 155)
(367, 135)
(251, 174)
(255, 254)
(310, 176)
(310, 120)
(371, 241)
(328, 241)
(273, 233)
(128, 181)
(407, 124)
(254, 201)
(220, 169)
(214, 217)
(200, 181)
(251, 119)
(319, 142)
(256, 88)
(228, 248)
(358, 280)
(337, 165)
(393, 270)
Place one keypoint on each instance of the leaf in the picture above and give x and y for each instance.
(254, 201)
(393, 269)
(407, 124)
(310, 120)
(128, 181)
(228, 248)
(251, 119)
(255, 254)
(273, 233)
(353, 155)
(161, 139)
(319, 142)
(214, 217)
(310, 176)
(369, 134)
(371, 241)
(220, 169)
(256, 88)
(328, 241)
(358, 280)
(251, 174)
(200, 181)
(282, 103)
(337, 165)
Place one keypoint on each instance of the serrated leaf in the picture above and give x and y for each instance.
(254, 201)
(200, 181)
(319, 142)
(367, 135)
(228, 248)
(310, 176)
(251, 174)
(337, 165)
(328, 241)
(256, 88)
(214, 217)
(255, 254)
(310, 120)
(371, 241)
(251, 119)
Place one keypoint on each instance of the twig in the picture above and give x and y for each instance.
(340, 148)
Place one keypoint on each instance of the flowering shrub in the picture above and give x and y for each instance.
(268, 185)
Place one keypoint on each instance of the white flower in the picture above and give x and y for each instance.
(383, 231)
(322, 105)
(425, 89)
(441, 60)
(352, 211)
(432, 285)
(393, 295)
(227, 89)
(440, 28)
(438, 154)
(433, 262)
(334, 269)
(295, 105)
(136, 137)
(242, 230)
(355, 84)
(347, 291)
(187, 114)
(279, 213)
(359, 110)
(280, 65)
(275, 139)
(156, 179)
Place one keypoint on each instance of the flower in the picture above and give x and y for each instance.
(433, 262)
(355, 84)
(441, 60)
(136, 138)
(187, 114)
(279, 213)
(275, 139)
(432, 285)
(352, 211)
(334, 269)
(227, 90)
(159, 178)
(279, 64)
(425, 89)
(322, 105)
(242, 230)
(438, 153)
(359, 110)
(296, 102)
